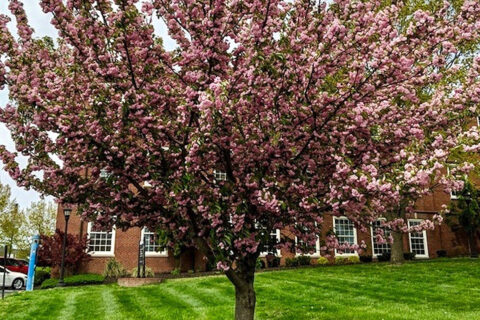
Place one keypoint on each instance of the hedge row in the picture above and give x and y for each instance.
(77, 280)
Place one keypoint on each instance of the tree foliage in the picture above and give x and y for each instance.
(50, 251)
(12, 227)
(467, 208)
(41, 218)
(465, 213)
(305, 108)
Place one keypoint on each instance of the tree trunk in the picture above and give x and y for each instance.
(245, 300)
(242, 278)
(473, 244)
(397, 248)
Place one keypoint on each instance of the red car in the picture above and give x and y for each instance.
(16, 265)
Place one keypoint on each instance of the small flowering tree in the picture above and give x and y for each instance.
(269, 114)
(50, 251)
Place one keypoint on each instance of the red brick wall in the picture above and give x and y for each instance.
(126, 242)
(126, 250)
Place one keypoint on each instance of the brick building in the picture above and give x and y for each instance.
(123, 245)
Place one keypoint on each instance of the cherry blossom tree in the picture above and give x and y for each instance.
(268, 115)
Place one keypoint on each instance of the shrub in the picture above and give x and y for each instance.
(50, 251)
(304, 260)
(114, 269)
(366, 259)
(148, 272)
(83, 279)
(272, 261)
(341, 260)
(441, 253)
(77, 280)
(409, 255)
(260, 264)
(41, 274)
(384, 257)
(291, 262)
(353, 259)
(323, 261)
(175, 272)
(49, 283)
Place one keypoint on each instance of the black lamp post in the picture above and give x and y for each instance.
(66, 213)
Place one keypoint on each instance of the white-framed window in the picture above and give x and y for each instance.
(101, 243)
(315, 254)
(454, 193)
(152, 246)
(275, 237)
(147, 184)
(418, 240)
(219, 175)
(379, 248)
(104, 174)
(346, 233)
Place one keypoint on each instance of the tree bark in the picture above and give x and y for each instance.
(245, 301)
(243, 278)
(473, 245)
(397, 248)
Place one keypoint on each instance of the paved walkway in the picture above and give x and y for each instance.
(9, 291)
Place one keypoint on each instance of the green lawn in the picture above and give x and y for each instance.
(437, 289)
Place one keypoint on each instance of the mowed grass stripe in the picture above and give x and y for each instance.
(127, 302)
(187, 297)
(429, 290)
(159, 303)
(202, 295)
(155, 303)
(371, 293)
(45, 306)
(89, 303)
(110, 306)
(69, 305)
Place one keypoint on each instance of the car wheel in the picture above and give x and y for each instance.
(17, 284)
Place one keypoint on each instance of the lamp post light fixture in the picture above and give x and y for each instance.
(66, 213)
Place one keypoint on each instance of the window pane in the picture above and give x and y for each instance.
(417, 241)
(151, 241)
(345, 232)
(380, 248)
(100, 241)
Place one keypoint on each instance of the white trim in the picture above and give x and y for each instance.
(219, 175)
(163, 253)
(452, 195)
(279, 252)
(317, 253)
(355, 253)
(425, 241)
(374, 255)
(110, 253)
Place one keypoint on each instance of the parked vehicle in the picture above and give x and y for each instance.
(16, 265)
(16, 280)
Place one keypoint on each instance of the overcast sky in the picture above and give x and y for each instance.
(42, 26)
(41, 23)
